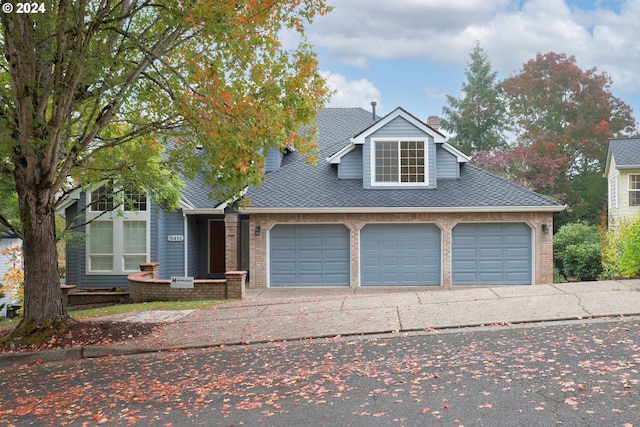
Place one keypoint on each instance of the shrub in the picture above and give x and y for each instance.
(583, 261)
(618, 254)
(577, 251)
(629, 261)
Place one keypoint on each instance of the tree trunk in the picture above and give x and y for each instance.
(42, 292)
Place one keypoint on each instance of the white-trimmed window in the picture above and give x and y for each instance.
(399, 162)
(118, 236)
(634, 190)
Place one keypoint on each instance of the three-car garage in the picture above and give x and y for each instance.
(400, 254)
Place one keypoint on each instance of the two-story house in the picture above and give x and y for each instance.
(389, 203)
(622, 171)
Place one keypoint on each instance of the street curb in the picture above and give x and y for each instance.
(92, 352)
(40, 356)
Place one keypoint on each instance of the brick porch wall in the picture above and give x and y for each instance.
(145, 286)
(542, 249)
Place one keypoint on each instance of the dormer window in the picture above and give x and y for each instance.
(399, 161)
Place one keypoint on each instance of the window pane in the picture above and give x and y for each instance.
(135, 237)
(386, 161)
(135, 244)
(412, 161)
(634, 190)
(101, 263)
(102, 199)
(135, 201)
(101, 237)
(132, 262)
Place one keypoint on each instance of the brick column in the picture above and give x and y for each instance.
(154, 267)
(66, 290)
(235, 284)
(446, 229)
(231, 241)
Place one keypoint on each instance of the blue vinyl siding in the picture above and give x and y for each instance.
(350, 166)
(73, 251)
(273, 159)
(169, 254)
(399, 128)
(309, 255)
(400, 255)
(447, 166)
(491, 254)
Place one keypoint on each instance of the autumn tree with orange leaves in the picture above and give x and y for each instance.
(568, 114)
(92, 89)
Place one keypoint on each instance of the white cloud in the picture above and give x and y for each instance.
(512, 32)
(435, 94)
(352, 93)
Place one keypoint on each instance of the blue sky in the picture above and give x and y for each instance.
(411, 53)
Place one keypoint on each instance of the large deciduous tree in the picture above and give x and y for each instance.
(565, 112)
(521, 165)
(568, 114)
(478, 119)
(90, 88)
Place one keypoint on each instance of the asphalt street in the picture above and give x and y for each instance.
(579, 374)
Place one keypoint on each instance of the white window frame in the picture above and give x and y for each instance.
(634, 190)
(117, 217)
(399, 183)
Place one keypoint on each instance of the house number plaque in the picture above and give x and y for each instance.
(175, 238)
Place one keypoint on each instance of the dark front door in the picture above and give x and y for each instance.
(216, 246)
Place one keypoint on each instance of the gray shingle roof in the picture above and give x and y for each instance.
(298, 185)
(626, 151)
(197, 193)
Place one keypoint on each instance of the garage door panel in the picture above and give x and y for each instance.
(309, 255)
(491, 254)
(491, 265)
(400, 254)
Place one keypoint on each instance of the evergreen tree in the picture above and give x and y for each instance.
(478, 120)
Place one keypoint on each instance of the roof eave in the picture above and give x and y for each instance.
(204, 211)
(335, 158)
(70, 199)
(367, 209)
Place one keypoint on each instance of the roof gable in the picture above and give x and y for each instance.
(398, 112)
(624, 153)
(361, 137)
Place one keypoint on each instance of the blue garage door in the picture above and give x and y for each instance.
(309, 255)
(491, 254)
(400, 254)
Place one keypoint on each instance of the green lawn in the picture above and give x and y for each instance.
(130, 308)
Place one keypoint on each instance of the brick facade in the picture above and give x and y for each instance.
(145, 286)
(542, 242)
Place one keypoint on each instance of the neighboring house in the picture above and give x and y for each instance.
(622, 171)
(6, 241)
(389, 203)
